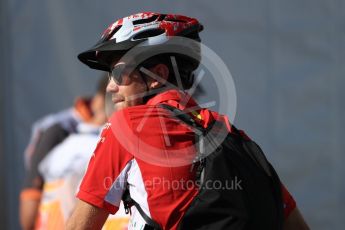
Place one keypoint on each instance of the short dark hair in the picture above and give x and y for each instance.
(184, 64)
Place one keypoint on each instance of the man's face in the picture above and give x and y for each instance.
(128, 94)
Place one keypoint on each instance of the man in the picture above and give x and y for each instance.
(144, 148)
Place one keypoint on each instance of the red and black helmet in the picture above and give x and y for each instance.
(147, 29)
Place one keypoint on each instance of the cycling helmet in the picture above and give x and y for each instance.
(146, 29)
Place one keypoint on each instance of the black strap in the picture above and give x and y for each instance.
(185, 117)
(129, 202)
(147, 219)
(200, 132)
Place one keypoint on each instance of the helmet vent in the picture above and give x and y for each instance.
(174, 20)
(161, 17)
(108, 34)
(146, 20)
(149, 33)
(113, 32)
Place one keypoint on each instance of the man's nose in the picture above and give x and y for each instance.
(112, 87)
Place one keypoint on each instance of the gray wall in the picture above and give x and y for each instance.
(286, 57)
(5, 129)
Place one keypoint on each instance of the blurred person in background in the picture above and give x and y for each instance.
(64, 166)
(46, 133)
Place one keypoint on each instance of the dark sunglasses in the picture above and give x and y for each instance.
(120, 73)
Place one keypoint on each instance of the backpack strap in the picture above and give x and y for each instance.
(185, 117)
(129, 202)
(200, 132)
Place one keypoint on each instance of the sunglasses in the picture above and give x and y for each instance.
(120, 73)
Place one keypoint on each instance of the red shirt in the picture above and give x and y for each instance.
(148, 149)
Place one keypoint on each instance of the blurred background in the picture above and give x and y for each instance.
(286, 58)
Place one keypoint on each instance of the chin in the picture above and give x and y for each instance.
(120, 105)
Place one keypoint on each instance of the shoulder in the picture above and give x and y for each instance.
(116, 137)
(50, 138)
(56, 129)
(54, 134)
(138, 111)
(129, 119)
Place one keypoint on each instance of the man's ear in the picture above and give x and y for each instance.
(161, 71)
